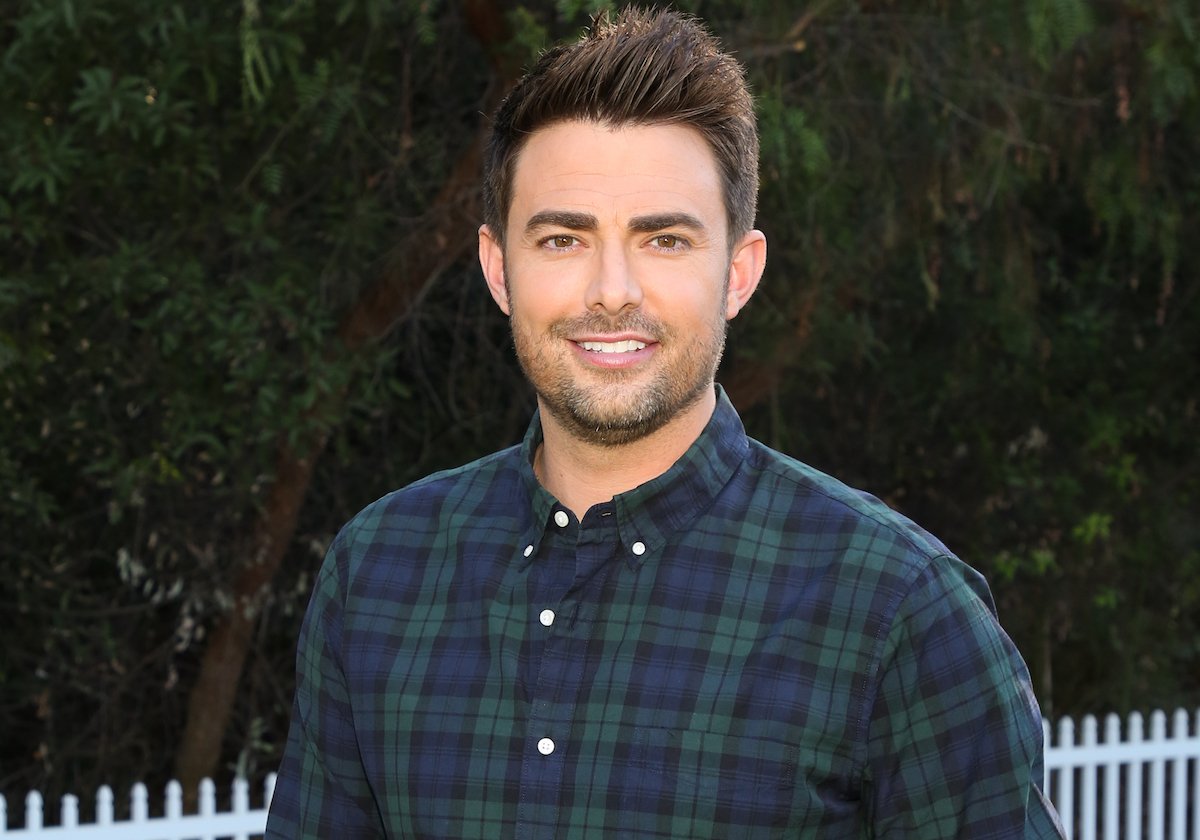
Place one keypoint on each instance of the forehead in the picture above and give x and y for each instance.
(616, 172)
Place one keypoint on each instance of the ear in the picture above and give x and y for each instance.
(491, 260)
(745, 270)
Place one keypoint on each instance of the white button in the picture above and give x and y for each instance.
(528, 550)
(561, 519)
(639, 548)
(547, 618)
(545, 746)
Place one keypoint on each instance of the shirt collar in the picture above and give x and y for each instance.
(652, 512)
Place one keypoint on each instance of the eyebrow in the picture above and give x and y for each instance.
(562, 219)
(586, 221)
(661, 221)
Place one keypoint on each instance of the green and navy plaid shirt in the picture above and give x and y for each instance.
(742, 647)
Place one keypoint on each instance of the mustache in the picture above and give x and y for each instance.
(600, 323)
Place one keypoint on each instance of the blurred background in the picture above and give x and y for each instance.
(239, 300)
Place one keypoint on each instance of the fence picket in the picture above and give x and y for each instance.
(70, 811)
(1112, 780)
(104, 806)
(1158, 777)
(139, 803)
(1047, 740)
(1088, 815)
(173, 807)
(1179, 772)
(208, 802)
(1196, 788)
(1133, 790)
(241, 802)
(1065, 792)
(33, 809)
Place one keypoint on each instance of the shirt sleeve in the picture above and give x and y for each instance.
(954, 744)
(321, 790)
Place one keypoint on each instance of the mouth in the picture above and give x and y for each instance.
(628, 346)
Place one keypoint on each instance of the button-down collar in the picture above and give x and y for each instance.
(648, 515)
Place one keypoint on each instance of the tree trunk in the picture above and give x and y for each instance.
(387, 302)
(413, 268)
(211, 702)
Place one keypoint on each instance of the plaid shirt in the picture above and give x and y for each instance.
(742, 647)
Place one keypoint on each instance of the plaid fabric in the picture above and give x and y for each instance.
(742, 647)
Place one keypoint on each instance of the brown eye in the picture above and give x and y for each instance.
(667, 240)
(562, 241)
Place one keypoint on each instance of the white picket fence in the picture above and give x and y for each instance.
(1126, 785)
(241, 822)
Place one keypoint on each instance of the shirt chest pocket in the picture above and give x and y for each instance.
(695, 784)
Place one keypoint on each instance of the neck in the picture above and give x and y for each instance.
(581, 474)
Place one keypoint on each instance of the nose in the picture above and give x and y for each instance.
(613, 287)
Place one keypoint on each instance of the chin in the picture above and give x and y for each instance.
(594, 420)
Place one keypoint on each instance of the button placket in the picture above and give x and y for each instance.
(551, 716)
(564, 644)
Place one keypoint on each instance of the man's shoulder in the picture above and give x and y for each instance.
(470, 491)
(830, 506)
(869, 543)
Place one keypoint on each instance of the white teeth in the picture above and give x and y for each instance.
(612, 346)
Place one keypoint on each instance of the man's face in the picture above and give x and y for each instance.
(617, 274)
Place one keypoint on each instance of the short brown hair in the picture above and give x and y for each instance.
(644, 68)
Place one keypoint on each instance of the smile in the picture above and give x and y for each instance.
(612, 346)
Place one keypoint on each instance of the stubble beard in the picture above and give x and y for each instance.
(605, 410)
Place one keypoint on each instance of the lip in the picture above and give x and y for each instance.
(612, 337)
(613, 361)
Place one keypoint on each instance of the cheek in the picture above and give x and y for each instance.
(535, 311)
(545, 293)
(695, 300)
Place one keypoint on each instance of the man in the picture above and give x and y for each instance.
(639, 622)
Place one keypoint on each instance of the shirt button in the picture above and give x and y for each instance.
(561, 519)
(528, 550)
(547, 618)
(545, 746)
(639, 548)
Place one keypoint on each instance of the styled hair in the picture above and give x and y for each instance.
(643, 68)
